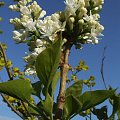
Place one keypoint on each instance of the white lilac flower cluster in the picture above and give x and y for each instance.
(32, 29)
(82, 19)
(79, 23)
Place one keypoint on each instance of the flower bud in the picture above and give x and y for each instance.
(70, 22)
(82, 11)
(14, 7)
(72, 19)
(81, 23)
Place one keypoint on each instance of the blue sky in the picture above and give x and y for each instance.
(92, 54)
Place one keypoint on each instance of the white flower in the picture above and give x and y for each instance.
(82, 11)
(72, 6)
(40, 43)
(24, 19)
(23, 2)
(39, 50)
(24, 10)
(95, 33)
(42, 14)
(91, 18)
(30, 25)
(37, 10)
(16, 36)
(87, 3)
(98, 2)
(20, 36)
(50, 25)
(30, 59)
(30, 71)
(14, 7)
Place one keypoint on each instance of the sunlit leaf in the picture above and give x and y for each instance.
(75, 89)
(46, 66)
(47, 63)
(54, 82)
(20, 89)
(92, 98)
(72, 106)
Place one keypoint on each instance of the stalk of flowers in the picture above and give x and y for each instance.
(79, 23)
(82, 21)
(82, 17)
(30, 28)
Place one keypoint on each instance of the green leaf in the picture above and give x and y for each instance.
(48, 106)
(54, 82)
(116, 105)
(20, 89)
(75, 89)
(92, 98)
(37, 88)
(47, 63)
(36, 110)
(33, 110)
(118, 114)
(46, 66)
(101, 113)
(72, 105)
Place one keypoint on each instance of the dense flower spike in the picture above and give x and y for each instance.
(80, 18)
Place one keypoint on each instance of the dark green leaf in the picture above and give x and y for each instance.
(116, 105)
(118, 114)
(20, 89)
(33, 110)
(36, 111)
(48, 106)
(101, 113)
(47, 63)
(46, 66)
(75, 89)
(92, 98)
(72, 106)
(37, 88)
(54, 82)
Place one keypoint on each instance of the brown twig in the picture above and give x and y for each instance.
(5, 60)
(11, 78)
(64, 71)
(102, 68)
(26, 108)
(12, 107)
